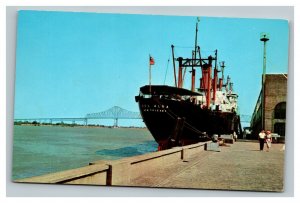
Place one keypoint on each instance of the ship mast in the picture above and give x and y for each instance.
(215, 79)
(194, 56)
(208, 84)
(174, 67)
(222, 64)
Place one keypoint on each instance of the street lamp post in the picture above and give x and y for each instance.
(264, 37)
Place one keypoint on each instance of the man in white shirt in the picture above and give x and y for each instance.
(261, 138)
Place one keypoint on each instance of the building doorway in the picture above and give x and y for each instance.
(279, 128)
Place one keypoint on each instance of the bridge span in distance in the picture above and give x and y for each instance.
(116, 113)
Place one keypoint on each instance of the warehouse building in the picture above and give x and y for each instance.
(274, 112)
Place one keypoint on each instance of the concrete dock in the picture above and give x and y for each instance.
(238, 166)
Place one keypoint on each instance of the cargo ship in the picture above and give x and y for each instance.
(176, 116)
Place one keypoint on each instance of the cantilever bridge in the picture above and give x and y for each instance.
(114, 113)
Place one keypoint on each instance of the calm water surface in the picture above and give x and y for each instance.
(39, 150)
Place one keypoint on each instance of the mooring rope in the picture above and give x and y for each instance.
(185, 123)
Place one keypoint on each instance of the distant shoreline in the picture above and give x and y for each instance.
(73, 125)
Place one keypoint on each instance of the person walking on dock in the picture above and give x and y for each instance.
(268, 140)
(261, 138)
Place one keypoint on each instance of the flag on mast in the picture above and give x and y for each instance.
(151, 60)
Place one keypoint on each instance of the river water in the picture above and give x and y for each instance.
(39, 150)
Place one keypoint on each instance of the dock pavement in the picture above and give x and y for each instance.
(238, 166)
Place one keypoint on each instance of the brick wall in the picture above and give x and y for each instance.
(275, 93)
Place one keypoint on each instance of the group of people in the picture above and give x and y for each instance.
(265, 137)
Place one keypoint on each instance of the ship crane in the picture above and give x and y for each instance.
(208, 84)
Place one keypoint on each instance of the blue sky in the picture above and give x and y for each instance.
(70, 64)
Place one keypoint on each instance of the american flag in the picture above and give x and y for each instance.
(151, 60)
